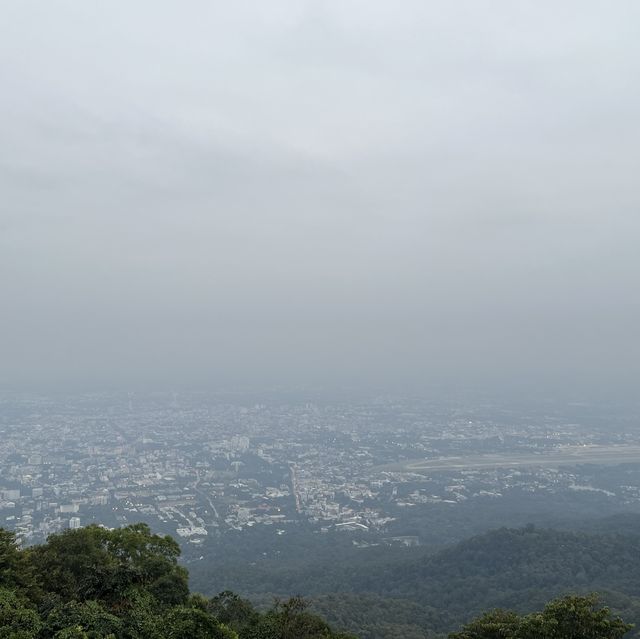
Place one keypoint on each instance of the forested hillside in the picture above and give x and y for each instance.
(519, 569)
(95, 583)
(384, 595)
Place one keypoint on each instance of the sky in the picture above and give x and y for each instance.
(337, 192)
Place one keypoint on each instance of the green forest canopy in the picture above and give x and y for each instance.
(126, 583)
(95, 583)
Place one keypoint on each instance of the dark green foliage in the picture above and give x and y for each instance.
(289, 619)
(96, 583)
(91, 616)
(497, 624)
(376, 617)
(96, 563)
(416, 594)
(235, 612)
(183, 622)
(15, 571)
(73, 632)
(570, 617)
(17, 619)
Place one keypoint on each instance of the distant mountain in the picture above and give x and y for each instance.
(386, 593)
(517, 569)
(95, 583)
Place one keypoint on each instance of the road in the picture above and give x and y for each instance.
(206, 497)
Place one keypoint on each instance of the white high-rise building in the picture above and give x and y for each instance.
(74, 523)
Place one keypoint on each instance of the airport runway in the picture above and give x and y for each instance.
(566, 456)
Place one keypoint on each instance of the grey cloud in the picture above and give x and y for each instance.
(338, 192)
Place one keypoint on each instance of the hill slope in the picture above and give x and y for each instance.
(95, 583)
(414, 593)
(507, 568)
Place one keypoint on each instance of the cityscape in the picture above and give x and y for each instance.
(200, 466)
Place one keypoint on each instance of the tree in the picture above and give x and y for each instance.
(75, 632)
(193, 623)
(17, 620)
(497, 624)
(95, 583)
(291, 620)
(141, 616)
(570, 617)
(89, 616)
(94, 563)
(574, 617)
(15, 572)
(233, 611)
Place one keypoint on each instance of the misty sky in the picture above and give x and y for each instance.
(330, 192)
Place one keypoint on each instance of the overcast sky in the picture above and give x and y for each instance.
(331, 192)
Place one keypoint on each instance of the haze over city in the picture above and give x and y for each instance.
(319, 319)
(320, 193)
